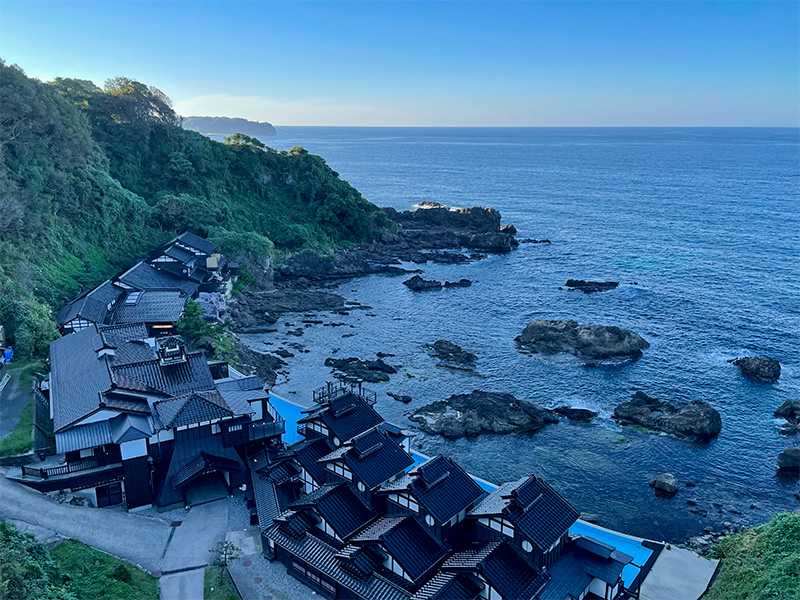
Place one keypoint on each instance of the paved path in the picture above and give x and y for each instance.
(180, 553)
(13, 399)
(678, 574)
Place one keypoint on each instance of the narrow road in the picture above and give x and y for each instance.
(180, 553)
(13, 399)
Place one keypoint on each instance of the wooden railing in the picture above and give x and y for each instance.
(72, 467)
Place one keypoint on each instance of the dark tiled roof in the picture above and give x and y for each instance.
(406, 540)
(343, 510)
(194, 407)
(128, 343)
(374, 457)
(576, 569)
(540, 512)
(347, 416)
(180, 254)
(195, 241)
(308, 452)
(126, 428)
(77, 378)
(144, 276)
(91, 305)
(450, 586)
(501, 566)
(192, 375)
(243, 384)
(200, 464)
(442, 487)
(152, 307)
(323, 557)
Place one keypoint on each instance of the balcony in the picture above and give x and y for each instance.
(333, 390)
(259, 430)
(74, 475)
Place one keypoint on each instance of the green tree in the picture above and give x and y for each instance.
(224, 553)
(240, 139)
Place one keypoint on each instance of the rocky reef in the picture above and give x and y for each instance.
(372, 371)
(691, 420)
(588, 287)
(418, 284)
(759, 368)
(789, 460)
(789, 410)
(451, 355)
(590, 342)
(470, 415)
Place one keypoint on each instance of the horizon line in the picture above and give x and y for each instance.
(544, 126)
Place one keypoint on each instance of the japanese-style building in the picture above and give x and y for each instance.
(154, 291)
(350, 513)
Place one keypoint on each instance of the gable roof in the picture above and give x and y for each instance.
(346, 416)
(575, 570)
(341, 508)
(194, 407)
(152, 306)
(195, 241)
(450, 586)
(533, 507)
(373, 457)
(144, 276)
(91, 305)
(441, 486)
(175, 379)
(501, 566)
(407, 541)
(308, 452)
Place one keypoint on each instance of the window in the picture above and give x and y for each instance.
(132, 298)
(429, 520)
(361, 487)
(331, 588)
(341, 470)
(500, 525)
(314, 426)
(235, 427)
(527, 546)
(405, 500)
(215, 428)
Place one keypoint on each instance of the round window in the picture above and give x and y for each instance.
(336, 441)
(429, 520)
(361, 487)
(526, 545)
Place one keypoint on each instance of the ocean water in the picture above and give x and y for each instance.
(706, 222)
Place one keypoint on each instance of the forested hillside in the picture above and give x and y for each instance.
(227, 126)
(91, 178)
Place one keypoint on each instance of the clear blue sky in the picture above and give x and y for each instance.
(431, 64)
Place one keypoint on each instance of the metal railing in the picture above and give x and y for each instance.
(342, 387)
(259, 430)
(71, 467)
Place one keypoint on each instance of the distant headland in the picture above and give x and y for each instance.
(227, 126)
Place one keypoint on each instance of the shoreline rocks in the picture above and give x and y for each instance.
(695, 420)
(460, 283)
(405, 399)
(481, 412)
(758, 368)
(418, 284)
(451, 355)
(589, 342)
(789, 460)
(588, 287)
(371, 371)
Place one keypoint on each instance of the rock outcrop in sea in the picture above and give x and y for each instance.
(580, 415)
(666, 484)
(789, 410)
(590, 342)
(588, 287)
(418, 284)
(451, 355)
(470, 415)
(695, 420)
(789, 460)
(759, 368)
(371, 371)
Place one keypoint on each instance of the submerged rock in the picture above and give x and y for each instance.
(665, 484)
(759, 368)
(695, 420)
(372, 371)
(452, 355)
(789, 460)
(582, 415)
(459, 283)
(405, 399)
(469, 415)
(418, 284)
(590, 342)
(587, 287)
(533, 241)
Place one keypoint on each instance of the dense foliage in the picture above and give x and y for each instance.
(27, 572)
(760, 563)
(91, 178)
(94, 575)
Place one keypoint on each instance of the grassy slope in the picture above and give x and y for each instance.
(214, 590)
(762, 563)
(95, 575)
(91, 179)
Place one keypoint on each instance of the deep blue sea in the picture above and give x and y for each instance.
(705, 221)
